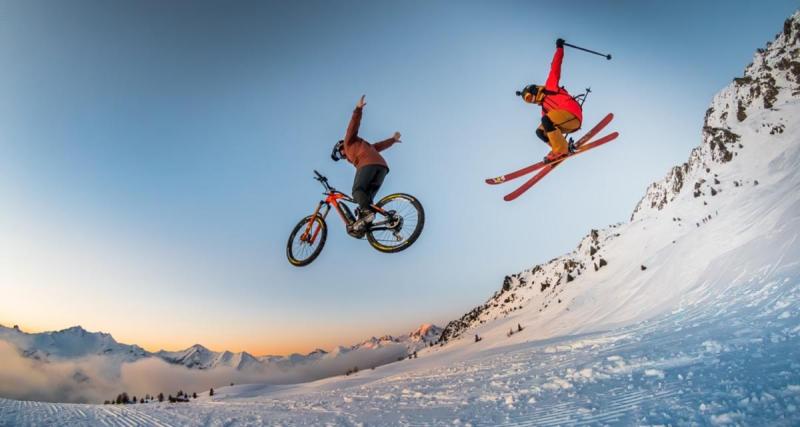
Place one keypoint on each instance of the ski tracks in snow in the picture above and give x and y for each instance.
(25, 413)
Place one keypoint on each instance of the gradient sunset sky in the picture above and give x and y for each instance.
(154, 156)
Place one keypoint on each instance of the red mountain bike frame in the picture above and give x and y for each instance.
(333, 197)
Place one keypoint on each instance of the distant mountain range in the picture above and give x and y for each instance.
(76, 342)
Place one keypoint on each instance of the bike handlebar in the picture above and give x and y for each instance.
(324, 181)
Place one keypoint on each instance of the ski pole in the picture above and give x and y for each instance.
(607, 56)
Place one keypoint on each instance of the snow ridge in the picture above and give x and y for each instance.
(757, 105)
(540, 285)
(773, 78)
(70, 343)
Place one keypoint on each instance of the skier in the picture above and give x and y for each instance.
(561, 113)
(371, 168)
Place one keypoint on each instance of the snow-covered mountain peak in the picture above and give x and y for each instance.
(427, 333)
(70, 343)
(196, 356)
(771, 80)
(74, 330)
(76, 343)
(375, 342)
(731, 191)
(422, 330)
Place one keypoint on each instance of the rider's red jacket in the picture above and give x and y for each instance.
(555, 97)
(360, 152)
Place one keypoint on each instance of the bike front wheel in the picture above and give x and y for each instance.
(400, 227)
(307, 240)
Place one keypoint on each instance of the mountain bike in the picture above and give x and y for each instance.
(399, 219)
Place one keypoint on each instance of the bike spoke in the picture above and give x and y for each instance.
(403, 209)
(302, 249)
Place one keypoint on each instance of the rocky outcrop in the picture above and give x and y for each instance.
(541, 284)
(773, 76)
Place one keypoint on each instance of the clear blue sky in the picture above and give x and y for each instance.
(155, 155)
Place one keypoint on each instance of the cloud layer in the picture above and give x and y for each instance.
(94, 379)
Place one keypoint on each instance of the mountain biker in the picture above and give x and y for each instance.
(561, 113)
(371, 168)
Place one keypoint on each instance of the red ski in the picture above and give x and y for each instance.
(547, 167)
(534, 167)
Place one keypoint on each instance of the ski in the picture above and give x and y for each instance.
(516, 174)
(595, 130)
(548, 167)
(528, 184)
(534, 167)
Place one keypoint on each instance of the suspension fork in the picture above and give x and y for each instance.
(305, 237)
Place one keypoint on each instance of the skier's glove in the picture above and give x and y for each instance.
(560, 43)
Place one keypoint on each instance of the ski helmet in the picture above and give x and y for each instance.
(529, 94)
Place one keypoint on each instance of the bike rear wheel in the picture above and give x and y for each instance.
(401, 228)
(304, 247)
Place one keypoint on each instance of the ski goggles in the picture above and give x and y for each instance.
(529, 94)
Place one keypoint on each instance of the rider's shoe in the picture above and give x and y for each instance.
(365, 218)
(571, 146)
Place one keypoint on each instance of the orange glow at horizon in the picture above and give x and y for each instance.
(283, 346)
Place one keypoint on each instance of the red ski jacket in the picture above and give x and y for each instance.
(555, 97)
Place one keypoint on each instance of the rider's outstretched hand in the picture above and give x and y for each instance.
(396, 137)
(361, 102)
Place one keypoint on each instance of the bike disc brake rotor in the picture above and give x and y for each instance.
(395, 222)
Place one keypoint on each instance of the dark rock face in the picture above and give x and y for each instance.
(719, 140)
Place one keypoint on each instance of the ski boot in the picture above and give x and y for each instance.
(553, 156)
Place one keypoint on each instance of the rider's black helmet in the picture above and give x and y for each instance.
(337, 153)
(531, 94)
(528, 93)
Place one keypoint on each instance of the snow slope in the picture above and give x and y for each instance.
(695, 366)
(687, 314)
